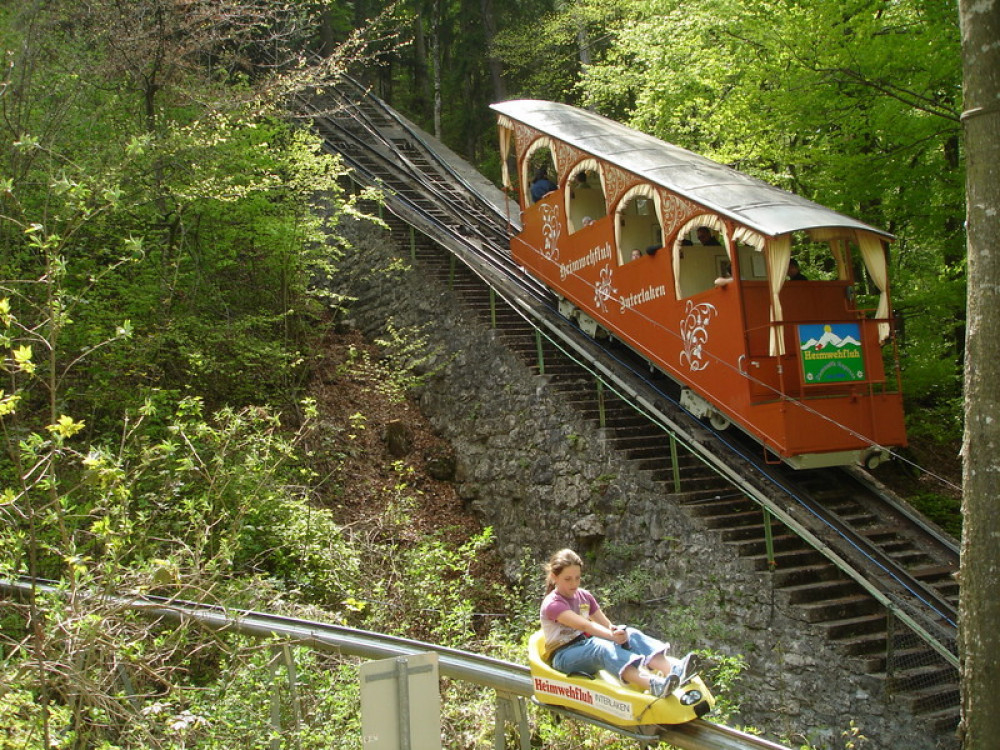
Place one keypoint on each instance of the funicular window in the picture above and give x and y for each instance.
(825, 255)
(749, 250)
(637, 227)
(540, 171)
(701, 256)
(585, 197)
(819, 255)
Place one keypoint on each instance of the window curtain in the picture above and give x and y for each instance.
(506, 128)
(837, 239)
(744, 236)
(873, 254)
(779, 252)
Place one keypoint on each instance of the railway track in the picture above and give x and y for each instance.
(861, 566)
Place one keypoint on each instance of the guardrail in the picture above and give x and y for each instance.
(511, 682)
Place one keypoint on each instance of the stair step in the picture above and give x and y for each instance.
(849, 628)
(840, 607)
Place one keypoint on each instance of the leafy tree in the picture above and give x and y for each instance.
(828, 100)
(547, 47)
(219, 201)
(443, 73)
(160, 234)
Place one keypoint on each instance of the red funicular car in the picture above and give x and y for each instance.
(691, 263)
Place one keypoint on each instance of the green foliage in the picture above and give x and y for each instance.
(540, 53)
(20, 717)
(222, 302)
(406, 361)
(853, 739)
(725, 678)
(322, 710)
(181, 505)
(853, 106)
(148, 261)
(202, 231)
(944, 510)
(426, 589)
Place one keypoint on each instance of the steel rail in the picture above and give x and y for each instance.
(496, 240)
(502, 676)
(918, 521)
(471, 250)
(881, 559)
(418, 136)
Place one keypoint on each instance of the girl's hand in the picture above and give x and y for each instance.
(618, 634)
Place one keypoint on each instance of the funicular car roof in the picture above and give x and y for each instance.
(752, 202)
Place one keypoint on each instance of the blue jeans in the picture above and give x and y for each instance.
(590, 655)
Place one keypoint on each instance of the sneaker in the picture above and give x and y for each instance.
(687, 667)
(660, 686)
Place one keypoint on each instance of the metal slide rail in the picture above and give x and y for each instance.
(509, 680)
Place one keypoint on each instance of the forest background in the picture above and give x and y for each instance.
(162, 311)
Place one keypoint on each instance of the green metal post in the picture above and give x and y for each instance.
(600, 403)
(769, 540)
(675, 463)
(493, 307)
(541, 356)
(275, 743)
(890, 647)
(413, 244)
(510, 709)
(283, 654)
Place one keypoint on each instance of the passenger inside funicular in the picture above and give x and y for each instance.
(541, 185)
(832, 258)
(701, 256)
(579, 637)
(706, 237)
(585, 201)
(637, 228)
(541, 177)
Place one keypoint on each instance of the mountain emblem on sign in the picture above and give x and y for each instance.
(830, 340)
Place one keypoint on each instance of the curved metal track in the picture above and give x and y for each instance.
(883, 583)
(506, 678)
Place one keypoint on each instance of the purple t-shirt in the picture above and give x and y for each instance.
(553, 605)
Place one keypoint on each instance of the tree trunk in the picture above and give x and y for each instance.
(979, 607)
(495, 67)
(436, 58)
(421, 93)
(327, 33)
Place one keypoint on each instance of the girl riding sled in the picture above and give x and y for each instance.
(579, 637)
